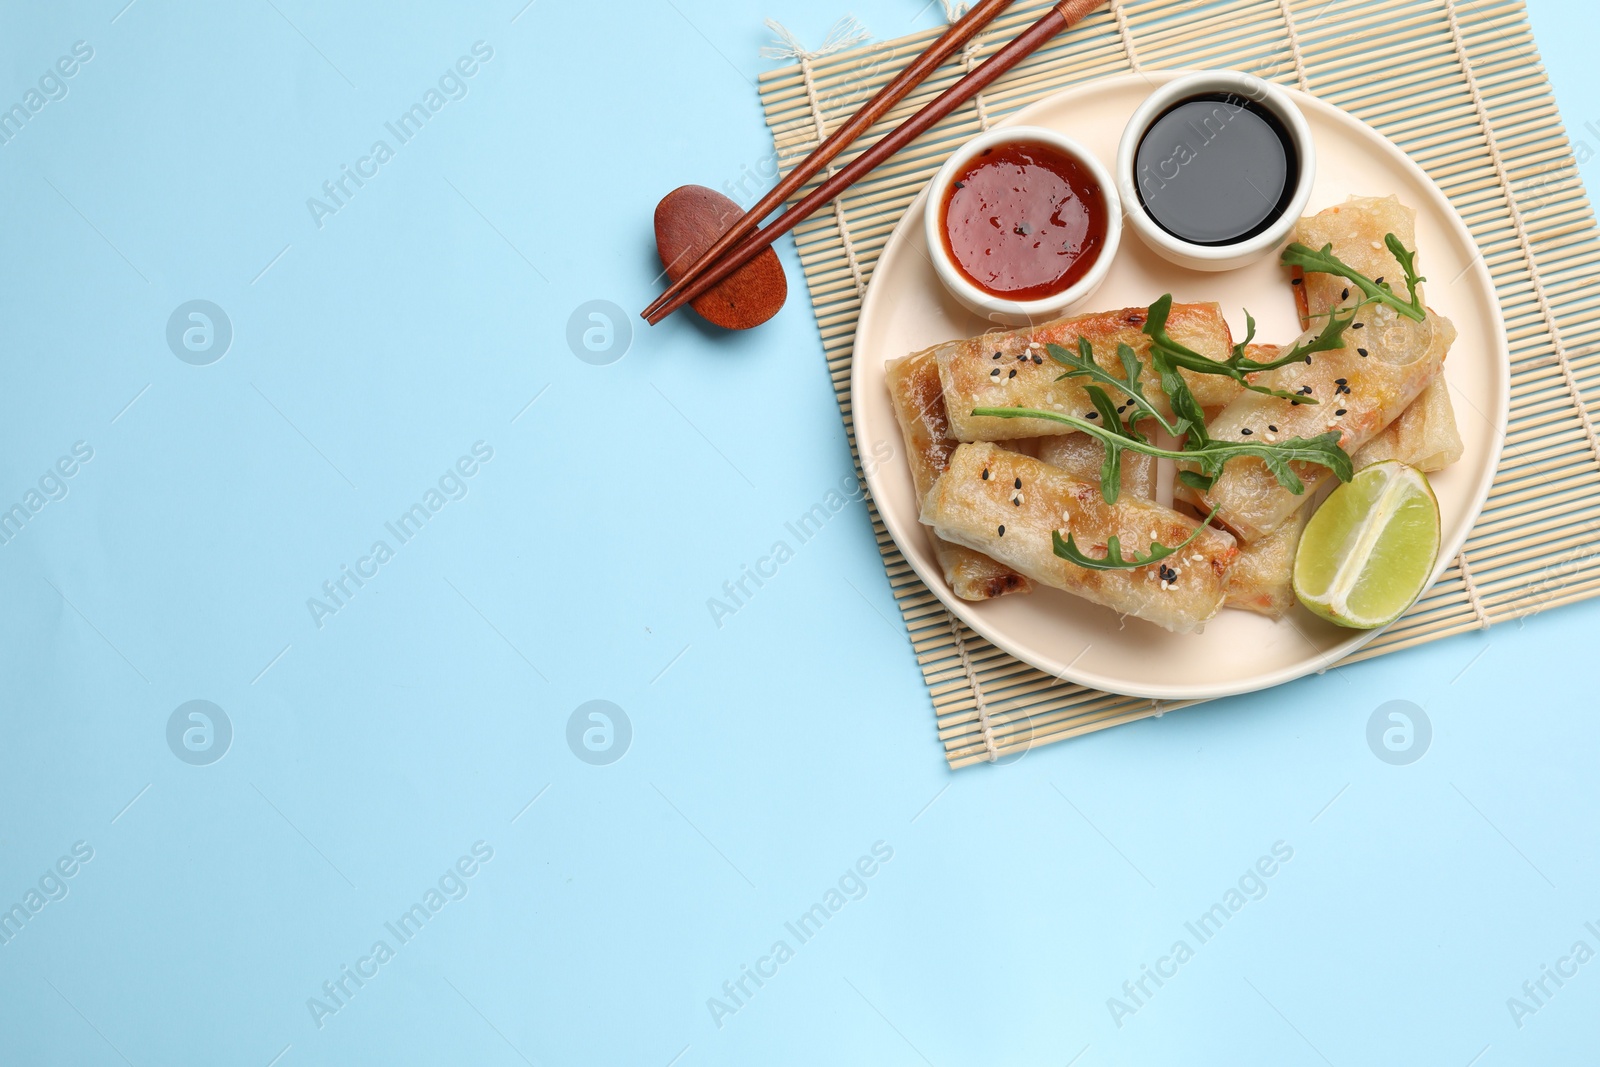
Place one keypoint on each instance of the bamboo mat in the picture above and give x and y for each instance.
(1459, 86)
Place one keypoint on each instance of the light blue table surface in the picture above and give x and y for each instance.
(407, 744)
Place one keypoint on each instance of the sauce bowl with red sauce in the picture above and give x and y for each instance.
(1022, 223)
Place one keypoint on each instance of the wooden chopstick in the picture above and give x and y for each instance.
(1058, 18)
(960, 32)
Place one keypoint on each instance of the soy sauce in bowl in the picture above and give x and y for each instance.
(1216, 169)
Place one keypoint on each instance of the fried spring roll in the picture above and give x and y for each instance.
(919, 408)
(1386, 362)
(1424, 435)
(1007, 504)
(1013, 368)
(1262, 577)
(1081, 455)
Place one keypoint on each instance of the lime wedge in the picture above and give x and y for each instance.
(1369, 550)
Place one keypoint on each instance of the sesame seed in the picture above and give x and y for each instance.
(1345, 295)
(1017, 500)
(1297, 281)
(1037, 358)
(1379, 279)
(986, 474)
(996, 354)
(1357, 325)
(1012, 375)
(1305, 390)
(1002, 529)
(1341, 411)
(1091, 415)
(1341, 381)
(1247, 431)
(1361, 352)
(1271, 427)
(995, 373)
(1017, 484)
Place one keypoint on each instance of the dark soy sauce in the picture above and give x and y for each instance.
(1216, 169)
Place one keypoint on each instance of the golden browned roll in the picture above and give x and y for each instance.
(1012, 368)
(1386, 362)
(919, 408)
(1007, 504)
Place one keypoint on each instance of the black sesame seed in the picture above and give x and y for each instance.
(1305, 390)
(995, 373)
(1247, 431)
(1341, 411)
(1038, 358)
(1357, 325)
(1013, 373)
(1345, 295)
(1023, 358)
(1168, 574)
(1297, 281)
(1002, 529)
(1271, 428)
(1294, 403)
(1361, 352)
(986, 474)
(996, 354)
(1017, 500)
(1340, 381)
(1091, 415)
(1017, 484)
(1379, 279)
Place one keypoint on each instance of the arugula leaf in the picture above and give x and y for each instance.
(1111, 465)
(1323, 261)
(1212, 455)
(1184, 405)
(1408, 264)
(1083, 365)
(1196, 480)
(1163, 344)
(1114, 559)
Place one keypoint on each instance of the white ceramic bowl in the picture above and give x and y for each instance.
(1200, 83)
(998, 308)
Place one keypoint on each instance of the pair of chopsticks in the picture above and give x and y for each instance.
(744, 241)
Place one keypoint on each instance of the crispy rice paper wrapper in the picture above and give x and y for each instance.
(1386, 363)
(977, 502)
(1081, 455)
(1000, 369)
(919, 408)
(1425, 434)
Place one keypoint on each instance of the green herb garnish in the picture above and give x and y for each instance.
(1211, 455)
(1114, 560)
(1323, 261)
(1236, 366)
(1083, 365)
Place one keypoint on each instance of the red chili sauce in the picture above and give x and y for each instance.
(1024, 220)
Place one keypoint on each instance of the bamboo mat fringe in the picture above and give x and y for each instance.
(1458, 85)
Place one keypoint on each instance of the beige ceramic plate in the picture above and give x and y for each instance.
(907, 309)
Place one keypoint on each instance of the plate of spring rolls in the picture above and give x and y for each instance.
(982, 501)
